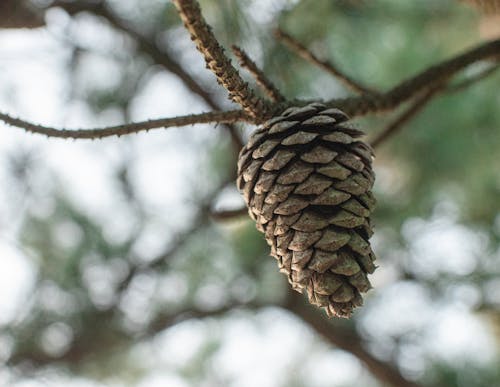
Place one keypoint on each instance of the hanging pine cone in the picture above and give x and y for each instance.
(307, 181)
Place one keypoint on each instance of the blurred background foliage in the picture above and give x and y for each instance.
(135, 281)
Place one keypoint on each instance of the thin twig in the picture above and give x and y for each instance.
(216, 60)
(230, 116)
(262, 80)
(325, 65)
(406, 90)
(147, 46)
(406, 116)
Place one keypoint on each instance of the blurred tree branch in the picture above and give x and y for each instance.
(19, 14)
(89, 343)
(340, 335)
(486, 6)
(98, 336)
(406, 116)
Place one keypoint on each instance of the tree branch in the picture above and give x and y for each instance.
(262, 80)
(121, 130)
(325, 65)
(19, 14)
(217, 62)
(406, 116)
(357, 106)
(347, 339)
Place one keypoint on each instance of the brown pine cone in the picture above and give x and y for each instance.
(306, 179)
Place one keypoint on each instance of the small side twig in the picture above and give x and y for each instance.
(230, 116)
(217, 61)
(325, 65)
(406, 116)
(262, 80)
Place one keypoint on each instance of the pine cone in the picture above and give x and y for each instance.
(307, 181)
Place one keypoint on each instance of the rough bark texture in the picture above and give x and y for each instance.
(307, 178)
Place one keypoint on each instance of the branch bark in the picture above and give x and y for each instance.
(19, 14)
(262, 80)
(121, 130)
(217, 61)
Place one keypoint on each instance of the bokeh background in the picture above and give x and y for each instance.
(117, 266)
